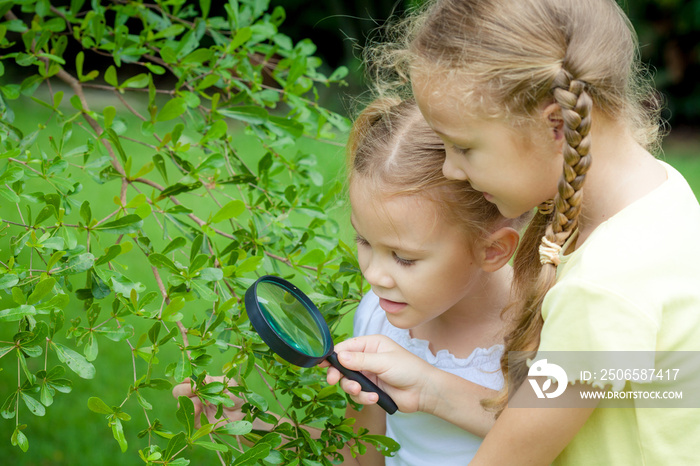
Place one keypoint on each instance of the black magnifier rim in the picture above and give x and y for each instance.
(269, 335)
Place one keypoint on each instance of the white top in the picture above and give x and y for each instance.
(426, 439)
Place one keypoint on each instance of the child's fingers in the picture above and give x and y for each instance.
(182, 389)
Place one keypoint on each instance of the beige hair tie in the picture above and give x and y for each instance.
(549, 252)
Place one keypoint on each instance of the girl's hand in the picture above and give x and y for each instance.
(233, 414)
(402, 375)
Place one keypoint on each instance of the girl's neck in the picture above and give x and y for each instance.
(621, 173)
(473, 322)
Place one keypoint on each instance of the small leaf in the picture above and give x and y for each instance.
(175, 244)
(172, 109)
(118, 433)
(6, 281)
(159, 261)
(185, 414)
(19, 439)
(248, 114)
(230, 210)
(34, 406)
(97, 405)
(314, 257)
(42, 288)
(111, 76)
(212, 446)
(131, 223)
(16, 313)
(258, 452)
(75, 361)
(171, 311)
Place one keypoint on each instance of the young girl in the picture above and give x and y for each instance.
(436, 254)
(611, 262)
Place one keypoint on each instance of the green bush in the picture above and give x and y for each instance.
(140, 226)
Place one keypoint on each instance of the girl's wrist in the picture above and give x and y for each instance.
(432, 394)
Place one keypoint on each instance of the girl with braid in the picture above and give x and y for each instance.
(541, 105)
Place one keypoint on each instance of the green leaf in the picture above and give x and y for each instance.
(75, 361)
(111, 76)
(118, 433)
(205, 5)
(175, 244)
(197, 56)
(42, 288)
(91, 348)
(230, 210)
(136, 82)
(112, 252)
(251, 264)
(172, 109)
(170, 313)
(116, 333)
(16, 313)
(159, 261)
(77, 264)
(237, 428)
(285, 127)
(212, 162)
(314, 257)
(19, 439)
(212, 446)
(258, 452)
(248, 114)
(97, 405)
(183, 368)
(131, 223)
(185, 414)
(34, 406)
(45, 213)
(8, 280)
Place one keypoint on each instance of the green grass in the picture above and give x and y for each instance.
(70, 434)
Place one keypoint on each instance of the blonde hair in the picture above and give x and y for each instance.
(514, 57)
(392, 147)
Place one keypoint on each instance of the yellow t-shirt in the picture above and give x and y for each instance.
(633, 285)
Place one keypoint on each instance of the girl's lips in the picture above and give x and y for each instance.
(488, 197)
(391, 307)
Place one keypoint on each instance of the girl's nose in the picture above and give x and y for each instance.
(452, 171)
(376, 275)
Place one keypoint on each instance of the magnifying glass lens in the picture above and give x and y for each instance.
(291, 320)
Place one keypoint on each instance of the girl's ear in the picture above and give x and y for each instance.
(552, 115)
(498, 248)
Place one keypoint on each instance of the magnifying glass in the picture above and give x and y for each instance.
(293, 327)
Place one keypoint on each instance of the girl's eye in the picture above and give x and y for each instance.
(361, 241)
(403, 262)
(461, 150)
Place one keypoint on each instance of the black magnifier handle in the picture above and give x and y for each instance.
(367, 385)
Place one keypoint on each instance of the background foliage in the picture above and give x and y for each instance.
(132, 224)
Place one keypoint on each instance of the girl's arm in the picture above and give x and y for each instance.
(413, 383)
(535, 435)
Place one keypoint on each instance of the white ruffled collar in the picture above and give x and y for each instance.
(480, 357)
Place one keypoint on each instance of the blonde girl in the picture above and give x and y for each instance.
(435, 253)
(541, 104)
